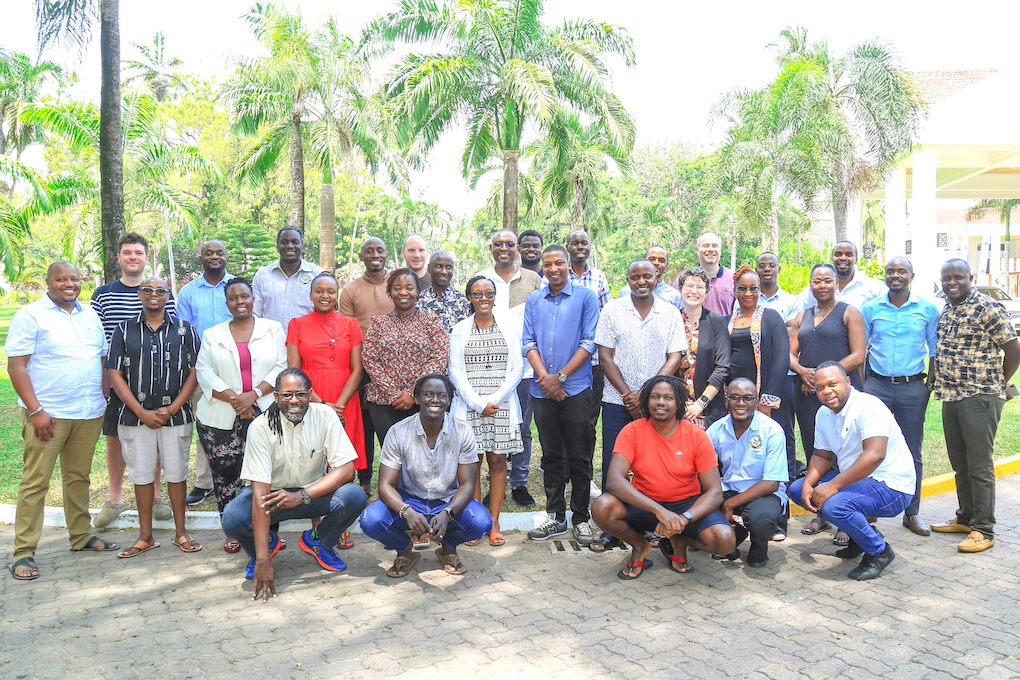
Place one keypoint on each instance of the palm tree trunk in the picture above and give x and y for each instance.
(580, 206)
(510, 187)
(839, 207)
(327, 223)
(297, 170)
(774, 230)
(354, 232)
(111, 164)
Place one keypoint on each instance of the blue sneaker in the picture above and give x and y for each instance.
(275, 543)
(326, 557)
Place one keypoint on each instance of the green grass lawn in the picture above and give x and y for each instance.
(935, 459)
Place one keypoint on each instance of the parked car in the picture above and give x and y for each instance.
(1003, 298)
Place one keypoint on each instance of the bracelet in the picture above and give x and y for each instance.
(258, 392)
(35, 412)
(404, 509)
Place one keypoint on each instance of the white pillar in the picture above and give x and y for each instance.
(995, 255)
(896, 212)
(854, 218)
(927, 264)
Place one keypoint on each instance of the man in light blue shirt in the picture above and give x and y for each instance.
(752, 452)
(658, 256)
(901, 329)
(558, 341)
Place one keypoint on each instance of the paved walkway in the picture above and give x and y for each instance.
(522, 612)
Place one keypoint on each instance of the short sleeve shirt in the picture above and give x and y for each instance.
(970, 335)
(429, 473)
(759, 455)
(666, 470)
(453, 307)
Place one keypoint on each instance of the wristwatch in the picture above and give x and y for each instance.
(449, 510)
(561, 376)
(305, 498)
(689, 516)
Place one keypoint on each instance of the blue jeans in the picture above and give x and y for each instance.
(387, 527)
(337, 510)
(614, 418)
(850, 507)
(520, 462)
(908, 403)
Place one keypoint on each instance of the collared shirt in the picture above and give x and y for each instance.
(114, 302)
(787, 305)
(900, 338)
(202, 304)
(364, 299)
(510, 294)
(663, 291)
(453, 307)
(594, 280)
(639, 345)
(298, 458)
(398, 350)
(66, 351)
(557, 325)
(429, 473)
(865, 416)
(759, 454)
(860, 289)
(280, 297)
(968, 354)
(155, 363)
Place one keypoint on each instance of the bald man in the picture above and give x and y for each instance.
(416, 258)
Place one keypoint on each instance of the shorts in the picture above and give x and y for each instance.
(644, 521)
(146, 450)
(111, 419)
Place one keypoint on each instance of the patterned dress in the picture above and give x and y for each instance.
(485, 361)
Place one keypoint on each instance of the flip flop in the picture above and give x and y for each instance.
(25, 562)
(497, 538)
(814, 526)
(231, 546)
(605, 542)
(402, 565)
(345, 542)
(841, 538)
(139, 547)
(643, 565)
(451, 563)
(89, 546)
(186, 544)
(473, 543)
(666, 548)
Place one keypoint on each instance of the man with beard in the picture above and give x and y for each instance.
(285, 462)
(530, 242)
(446, 302)
(416, 258)
(281, 289)
(658, 256)
(852, 286)
(720, 296)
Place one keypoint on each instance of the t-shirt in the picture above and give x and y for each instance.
(666, 470)
(114, 302)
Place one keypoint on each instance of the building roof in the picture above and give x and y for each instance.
(938, 85)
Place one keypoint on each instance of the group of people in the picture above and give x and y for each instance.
(290, 378)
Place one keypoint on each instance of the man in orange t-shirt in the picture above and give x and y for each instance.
(675, 490)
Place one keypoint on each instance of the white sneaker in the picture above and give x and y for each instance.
(583, 534)
(594, 491)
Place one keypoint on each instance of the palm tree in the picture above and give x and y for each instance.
(21, 83)
(15, 217)
(71, 21)
(155, 69)
(1003, 206)
(498, 69)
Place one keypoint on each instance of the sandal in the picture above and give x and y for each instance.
(402, 565)
(841, 538)
(473, 543)
(652, 538)
(345, 542)
(96, 544)
(666, 548)
(451, 562)
(231, 546)
(497, 538)
(631, 566)
(27, 562)
(186, 544)
(137, 549)
(814, 526)
(605, 542)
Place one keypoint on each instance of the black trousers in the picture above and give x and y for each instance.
(598, 384)
(365, 476)
(761, 520)
(564, 432)
(385, 416)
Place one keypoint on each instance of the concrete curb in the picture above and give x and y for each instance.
(509, 521)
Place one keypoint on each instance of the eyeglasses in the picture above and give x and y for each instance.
(747, 289)
(694, 287)
(291, 396)
(484, 295)
(149, 290)
(737, 398)
(504, 246)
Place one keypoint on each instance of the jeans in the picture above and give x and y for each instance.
(520, 462)
(337, 510)
(850, 507)
(565, 434)
(908, 403)
(386, 526)
(761, 521)
(970, 425)
(614, 418)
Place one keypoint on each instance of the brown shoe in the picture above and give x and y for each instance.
(916, 524)
(975, 542)
(951, 527)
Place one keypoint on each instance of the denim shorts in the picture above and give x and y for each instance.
(642, 520)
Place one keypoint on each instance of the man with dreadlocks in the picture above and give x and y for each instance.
(285, 462)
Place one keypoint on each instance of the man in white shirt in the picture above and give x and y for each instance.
(852, 287)
(281, 289)
(875, 476)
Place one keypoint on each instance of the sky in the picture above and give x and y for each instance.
(688, 53)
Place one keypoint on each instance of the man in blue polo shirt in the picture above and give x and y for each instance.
(901, 330)
(558, 341)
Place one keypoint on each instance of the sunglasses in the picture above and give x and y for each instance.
(737, 398)
(747, 289)
(149, 290)
(484, 295)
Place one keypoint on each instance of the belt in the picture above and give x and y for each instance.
(900, 379)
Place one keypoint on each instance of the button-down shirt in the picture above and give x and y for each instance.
(202, 304)
(865, 416)
(155, 363)
(557, 325)
(594, 280)
(899, 338)
(299, 457)
(968, 354)
(759, 454)
(860, 289)
(639, 345)
(280, 297)
(429, 473)
(787, 305)
(663, 291)
(66, 352)
(451, 308)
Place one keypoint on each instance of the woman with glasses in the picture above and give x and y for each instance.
(486, 367)
(759, 341)
(707, 366)
(237, 368)
(827, 331)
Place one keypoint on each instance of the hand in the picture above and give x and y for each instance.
(265, 581)
(632, 400)
(246, 414)
(549, 385)
(164, 414)
(693, 411)
(636, 414)
(822, 493)
(280, 500)
(439, 524)
(403, 401)
(43, 424)
(806, 491)
(151, 419)
(727, 511)
(244, 401)
(490, 409)
(808, 377)
(670, 524)
(416, 522)
(339, 410)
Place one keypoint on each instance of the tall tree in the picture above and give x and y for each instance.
(21, 83)
(155, 68)
(498, 69)
(1002, 206)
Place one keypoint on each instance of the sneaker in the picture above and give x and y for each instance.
(108, 514)
(594, 491)
(975, 542)
(275, 543)
(522, 497)
(161, 512)
(872, 565)
(779, 536)
(583, 534)
(197, 495)
(326, 557)
(548, 529)
(953, 526)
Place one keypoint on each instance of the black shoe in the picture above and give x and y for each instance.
(197, 495)
(735, 555)
(756, 564)
(872, 565)
(851, 551)
(522, 497)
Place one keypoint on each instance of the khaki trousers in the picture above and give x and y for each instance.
(74, 442)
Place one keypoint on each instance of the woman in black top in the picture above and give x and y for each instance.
(759, 340)
(707, 367)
